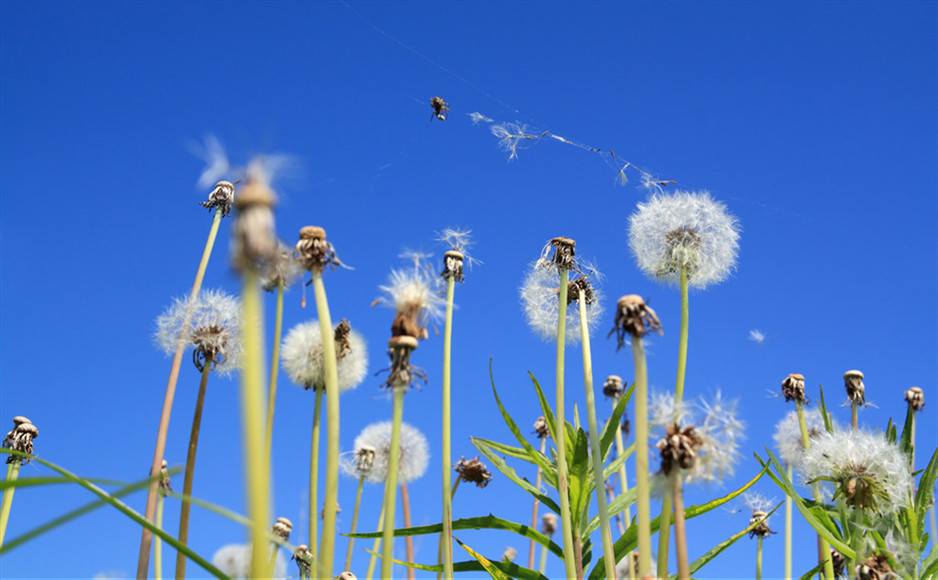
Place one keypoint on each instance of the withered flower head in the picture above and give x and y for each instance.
(541, 428)
(364, 460)
(282, 528)
(473, 471)
(613, 387)
(548, 524)
(679, 448)
(20, 438)
(580, 285)
(762, 528)
(635, 318)
(563, 257)
(856, 391)
(459, 242)
(254, 243)
(915, 398)
(401, 373)
(452, 265)
(165, 484)
(793, 388)
(875, 568)
(313, 251)
(221, 197)
(304, 559)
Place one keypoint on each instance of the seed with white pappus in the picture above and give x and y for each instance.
(788, 438)
(303, 360)
(915, 398)
(856, 391)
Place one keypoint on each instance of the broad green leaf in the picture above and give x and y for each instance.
(614, 466)
(926, 485)
(581, 478)
(509, 472)
(493, 570)
(609, 429)
(891, 436)
(534, 456)
(512, 570)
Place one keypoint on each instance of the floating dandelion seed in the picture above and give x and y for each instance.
(756, 336)
(514, 136)
(479, 117)
(684, 230)
(415, 453)
(216, 161)
(303, 360)
(211, 324)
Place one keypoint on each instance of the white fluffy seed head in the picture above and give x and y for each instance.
(235, 561)
(788, 434)
(212, 320)
(856, 461)
(688, 229)
(540, 297)
(302, 358)
(414, 292)
(415, 452)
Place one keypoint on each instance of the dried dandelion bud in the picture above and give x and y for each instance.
(452, 265)
(221, 197)
(473, 471)
(541, 428)
(635, 318)
(282, 528)
(509, 554)
(20, 438)
(548, 524)
(875, 568)
(364, 459)
(346, 576)
(915, 398)
(580, 286)
(402, 374)
(679, 448)
(304, 559)
(613, 387)
(254, 244)
(563, 257)
(856, 391)
(313, 251)
(839, 562)
(165, 484)
(762, 527)
(793, 388)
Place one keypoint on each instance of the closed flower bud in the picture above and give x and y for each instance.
(548, 524)
(20, 439)
(282, 528)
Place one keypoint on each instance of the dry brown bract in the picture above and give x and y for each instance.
(856, 391)
(759, 517)
(473, 471)
(342, 345)
(635, 318)
(452, 265)
(679, 448)
(313, 251)
(20, 438)
(402, 374)
(793, 388)
(222, 197)
(563, 257)
(915, 398)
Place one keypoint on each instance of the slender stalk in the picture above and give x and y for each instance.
(560, 429)
(190, 468)
(409, 540)
(537, 486)
(912, 454)
(759, 558)
(376, 545)
(854, 419)
(623, 478)
(543, 563)
(390, 485)
(13, 471)
(610, 496)
(823, 548)
(157, 542)
(446, 452)
(578, 555)
(351, 540)
(327, 547)
(439, 548)
(314, 480)
(643, 489)
(274, 367)
(595, 450)
(934, 525)
(663, 529)
(146, 537)
(680, 531)
(788, 514)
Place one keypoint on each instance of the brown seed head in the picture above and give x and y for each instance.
(915, 398)
(839, 562)
(635, 318)
(856, 391)
(20, 438)
(613, 386)
(473, 471)
(875, 568)
(222, 197)
(679, 448)
(541, 428)
(313, 251)
(762, 525)
(453, 265)
(548, 524)
(282, 528)
(793, 388)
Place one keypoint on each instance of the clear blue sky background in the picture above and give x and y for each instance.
(814, 122)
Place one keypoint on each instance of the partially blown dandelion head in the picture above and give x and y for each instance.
(686, 231)
(866, 470)
(254, 243)
(282, 270)
(634, 318)
(458, 242)
(915, 398)
(613, 387)
(856, 391)
(313, 252)
(473, 471)
(760, 507)
(20, 438)
(541, 428)
(222, 197)
(540, 296)
(559, 253)
(303, 360)
(361, 462)
(793, 388)
(235, 561)
(414, 454)
(788, 438)
(548, 524)
(210, 324)
(402, 374)
(413, 295)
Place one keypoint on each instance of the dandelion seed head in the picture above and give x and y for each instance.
(686, 230)
(302, 357)
(865, 469)
(509, 554)
(414, 294)
(548, 524)
(540, 297)
(235, 561)
(210, 324)
(788, 434)
(415, 452)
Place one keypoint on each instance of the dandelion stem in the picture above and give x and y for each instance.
(143, 560)
(759, 558)
(390, 485)
(157, 542)
(186, 507)
(274, 367)
(447, 459)
(664, 531)
(439, 548)
(595, 451)
(680, 531)
(327, 548)
(543, 563)
(351, 540)
(643, 489)
(13, 471)
(560, 429)
(314, 480)
(537, 486)
(854, 419)
(623, 478)
(409, 540)
(375, 546)
(788, 522)
(252, 409)
(823, 549)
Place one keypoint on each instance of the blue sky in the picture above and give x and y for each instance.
(815, 123)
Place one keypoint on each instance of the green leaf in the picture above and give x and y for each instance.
(926, 485)
(581, 478)
(545, 407)
(828, 420)
(615, 507)
(509, 472)
(512, 570)
(609, 429)
(534, 455)
(905, 443)
(891, 436)
(493, 570)
(813, 571)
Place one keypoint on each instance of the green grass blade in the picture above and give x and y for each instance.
(492, 570)
(545, 407)
(509, 472)
(813, 572)
(534, 455)
(926, 485)
(609, 429)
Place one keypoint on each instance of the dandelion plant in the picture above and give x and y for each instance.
(19, 439)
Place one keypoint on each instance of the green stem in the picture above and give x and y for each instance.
(664, 531)
(376, 545)
(146, 537)
(560, 429)
(327, 547)
(314, 480)
(446, 538)
(543, 563)
(390, 485)
(274, 368)
(788, 521)
(537, 486)
(439, 548)
(13, 471)
(912, 453)
(595, 450)
(252, 409)
(190, 468)
(854, 419)
(823, 548)
(643, 489)
(759, 558)
(623, 478)
(680, 531)
(408, 540)
(158, 543)
(351, 540)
